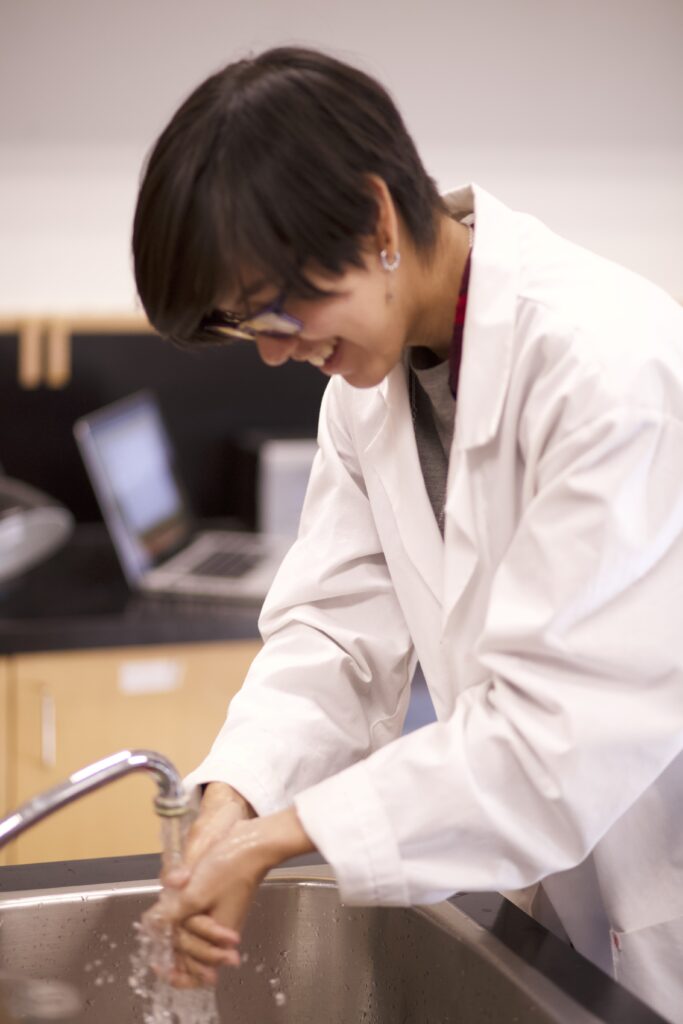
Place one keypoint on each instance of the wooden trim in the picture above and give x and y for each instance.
(107, 323)
(58, 354)
(6, 747)
(78, 323)
(44, 341)
(10, 324)
(30, 355)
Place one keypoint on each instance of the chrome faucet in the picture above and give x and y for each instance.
(171, 800)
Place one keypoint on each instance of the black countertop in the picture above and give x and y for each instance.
(79, 599)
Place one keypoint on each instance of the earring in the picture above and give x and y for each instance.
(387, 264)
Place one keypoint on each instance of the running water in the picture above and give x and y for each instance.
(153, 957)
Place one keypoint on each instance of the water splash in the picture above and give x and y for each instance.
(163, 1004)
(153, 957)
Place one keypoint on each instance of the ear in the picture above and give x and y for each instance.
(386, 234)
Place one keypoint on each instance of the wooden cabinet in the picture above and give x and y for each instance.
(72, 708)
(4, 745)
(4, 735)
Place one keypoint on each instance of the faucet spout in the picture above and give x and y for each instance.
(171, 799)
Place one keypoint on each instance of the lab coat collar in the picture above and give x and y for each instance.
(488, 335)
(484, 379)
(389, 424)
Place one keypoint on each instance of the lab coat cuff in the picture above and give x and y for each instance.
(260, 793)
(349, 825)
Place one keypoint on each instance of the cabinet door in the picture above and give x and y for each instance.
(4, 746)
(74, 708)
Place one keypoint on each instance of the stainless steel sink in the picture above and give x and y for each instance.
(333, 964)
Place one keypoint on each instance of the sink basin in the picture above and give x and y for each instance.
(333, 964)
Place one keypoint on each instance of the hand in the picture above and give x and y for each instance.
(221, 808)
(207, 907)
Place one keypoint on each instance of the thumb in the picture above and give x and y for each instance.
(175, 878)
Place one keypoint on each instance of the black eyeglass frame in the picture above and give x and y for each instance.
(270, 320)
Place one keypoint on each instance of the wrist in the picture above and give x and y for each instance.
(283, 836)
(222, 793)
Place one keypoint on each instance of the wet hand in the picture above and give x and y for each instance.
(208, 908)
(221, 808)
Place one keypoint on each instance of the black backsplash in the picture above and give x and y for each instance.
(216, 402)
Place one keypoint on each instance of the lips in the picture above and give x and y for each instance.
(333, 361)
(324, 354)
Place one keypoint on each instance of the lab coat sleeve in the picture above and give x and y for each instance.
(582, 703)
(332, 681)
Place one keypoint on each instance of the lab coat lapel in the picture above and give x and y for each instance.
(462, 549)
(483, 384)
(484, 378)
(392, 456)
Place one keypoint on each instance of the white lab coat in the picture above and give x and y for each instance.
(548, 622)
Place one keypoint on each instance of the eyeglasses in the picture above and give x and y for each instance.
(270, 320)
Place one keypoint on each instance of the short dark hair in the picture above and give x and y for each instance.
(265, 166)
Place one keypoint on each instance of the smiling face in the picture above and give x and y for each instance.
(357, 332)
(359, 329)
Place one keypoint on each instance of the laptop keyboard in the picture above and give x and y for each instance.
(226, 563)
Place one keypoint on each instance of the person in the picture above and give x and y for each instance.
(497, 493)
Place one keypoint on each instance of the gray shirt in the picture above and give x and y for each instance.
(433, 409)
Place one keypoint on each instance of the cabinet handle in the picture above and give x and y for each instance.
(48, 731)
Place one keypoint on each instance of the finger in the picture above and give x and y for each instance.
(177, 974)
(183, 979)
(155, 921)
(191, 973)
(172, 907)
(206, 976)
(207, 928)
(175, 878)
(203, 952)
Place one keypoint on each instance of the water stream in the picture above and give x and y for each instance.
(153, 956)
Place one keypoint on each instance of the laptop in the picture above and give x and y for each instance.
(131, 464)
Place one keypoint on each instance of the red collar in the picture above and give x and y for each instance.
(455, 352)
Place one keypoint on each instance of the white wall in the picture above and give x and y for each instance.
(571, 111)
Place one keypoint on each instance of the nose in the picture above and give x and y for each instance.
(276, 351)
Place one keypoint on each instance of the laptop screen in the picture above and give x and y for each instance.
(129, 459)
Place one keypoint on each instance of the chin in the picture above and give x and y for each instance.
(362, 380)
(367, 377)
(369, 373)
